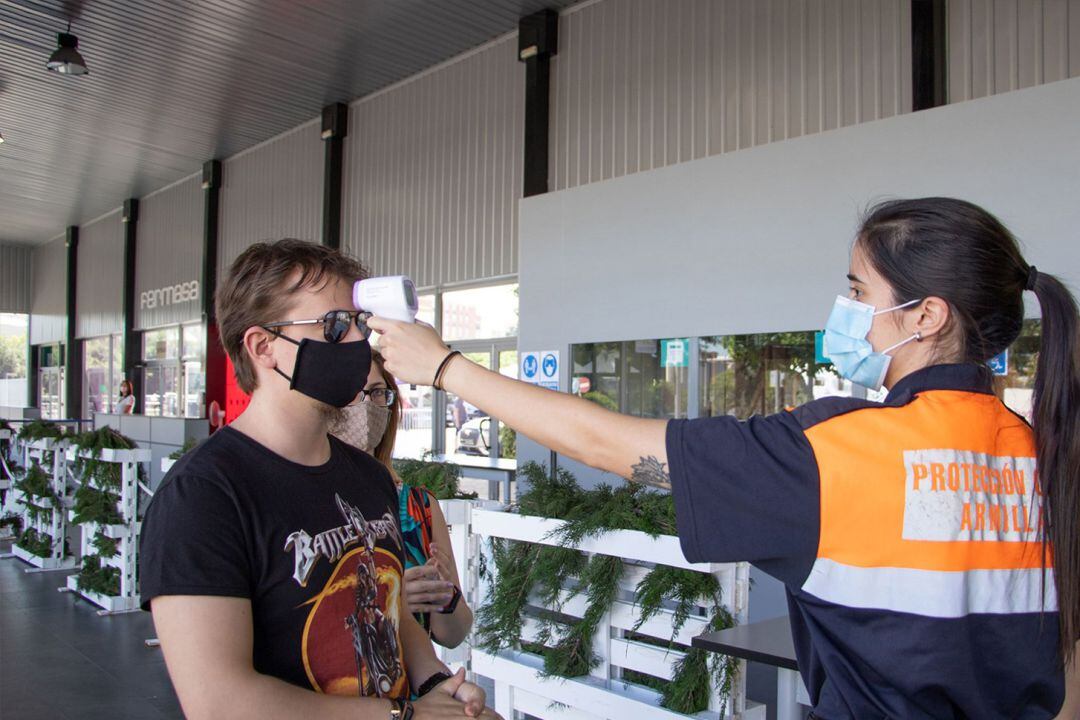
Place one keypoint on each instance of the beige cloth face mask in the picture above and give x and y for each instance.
(363, 425)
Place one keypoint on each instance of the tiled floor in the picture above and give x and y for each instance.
(59, 660)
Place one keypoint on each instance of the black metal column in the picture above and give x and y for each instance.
(73, 351)
(32, 374)
(335, 126)
(929, 60)
(215, 367)
(132, 349)
(538, 41)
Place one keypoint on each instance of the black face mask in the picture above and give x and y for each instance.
(332, 373)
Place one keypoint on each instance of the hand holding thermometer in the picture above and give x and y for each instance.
(389, 297)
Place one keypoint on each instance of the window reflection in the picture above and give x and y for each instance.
(745, 375)
(480, 313)
(97, 375)
(173, 379)
(426, 310)
(103, 369)
(13, 358)
(646, 378)
(1017, 386)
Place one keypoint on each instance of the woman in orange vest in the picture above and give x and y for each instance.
(931, 572)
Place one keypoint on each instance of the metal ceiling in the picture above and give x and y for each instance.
(174, 83)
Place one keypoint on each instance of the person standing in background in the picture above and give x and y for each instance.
(126, 404)
(432, 587)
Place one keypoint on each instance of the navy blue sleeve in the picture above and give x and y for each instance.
(746, 490)
(193, 542)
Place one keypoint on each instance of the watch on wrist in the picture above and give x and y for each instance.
(401, 710)
(452, 605)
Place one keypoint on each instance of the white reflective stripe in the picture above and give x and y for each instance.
(932, 593)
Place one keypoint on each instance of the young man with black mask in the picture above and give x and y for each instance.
(271, 556)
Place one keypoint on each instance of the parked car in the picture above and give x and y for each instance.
(473, 438)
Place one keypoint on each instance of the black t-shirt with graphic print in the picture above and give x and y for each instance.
(317, 550)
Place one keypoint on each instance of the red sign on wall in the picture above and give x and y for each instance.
(236, 400)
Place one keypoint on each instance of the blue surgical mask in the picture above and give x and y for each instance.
(846, 345)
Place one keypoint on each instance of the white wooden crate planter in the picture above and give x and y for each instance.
(125, 533)
(8, 507)
(50, 455)
(5, 470)
(109, 604)
(520, 686)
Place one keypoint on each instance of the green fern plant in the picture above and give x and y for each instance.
(14, 522)
(693, 676)
(572, 655)
(96, 506)
(35, 543)
(97, 577)
(105, 546)
(93, 442)
(188, 446)
(40, 430)
(36, 483)
(440, 479)
(685, 588)
(524, 568)
(501, 618)
(547, 496)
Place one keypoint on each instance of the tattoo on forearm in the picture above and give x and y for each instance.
(651, 472)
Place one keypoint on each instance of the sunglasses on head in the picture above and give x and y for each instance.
(335, 324)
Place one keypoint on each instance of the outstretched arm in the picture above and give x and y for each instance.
(633, 448)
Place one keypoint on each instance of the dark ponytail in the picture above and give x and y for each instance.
(1056, 418)
(957, 251)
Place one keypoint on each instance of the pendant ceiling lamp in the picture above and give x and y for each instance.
(66, 60)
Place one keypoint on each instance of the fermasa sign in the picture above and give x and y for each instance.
(173, 295)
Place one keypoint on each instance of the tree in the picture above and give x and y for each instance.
(753, 356)
(13, 356)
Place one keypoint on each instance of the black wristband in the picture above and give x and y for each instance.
(451, 606)
(442, 368)
(432, 682)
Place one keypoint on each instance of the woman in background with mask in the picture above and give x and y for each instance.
(930, 572)
(432, 588)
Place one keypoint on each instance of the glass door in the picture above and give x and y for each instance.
(97, 380)
(467, 428)
(51, 392)
(503, 438)
(470, 430)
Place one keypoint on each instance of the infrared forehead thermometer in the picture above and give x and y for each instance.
(388, 297)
